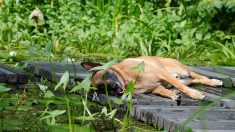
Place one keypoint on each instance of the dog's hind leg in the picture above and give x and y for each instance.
(204, 80)
(160, 90)
(195, 94)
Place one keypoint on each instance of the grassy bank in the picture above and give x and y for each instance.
(198, 32)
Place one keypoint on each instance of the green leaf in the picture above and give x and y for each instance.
(118, 101)
(48, 94)
(128, 92)
(112, 113)
(3, 88)
(178, 41)
(63, 81)
(130, 87)
(124, 96)
(85, 84)
(87, 118)
(54, 113)
(104, 111)
(199, 36)
(77, 87)
(140, 66)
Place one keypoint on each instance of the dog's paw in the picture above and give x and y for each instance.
(216, 82)
(195, 94)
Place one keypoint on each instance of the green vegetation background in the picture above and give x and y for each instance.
(199, 32)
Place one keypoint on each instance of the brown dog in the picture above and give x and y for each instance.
(157, 72)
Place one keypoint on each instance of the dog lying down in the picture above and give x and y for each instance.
(158, 72)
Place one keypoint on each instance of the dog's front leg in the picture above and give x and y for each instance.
(160, 90)
(195, 94)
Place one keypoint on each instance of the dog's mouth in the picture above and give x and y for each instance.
(114, 86)
(120, 90)
(113, 89)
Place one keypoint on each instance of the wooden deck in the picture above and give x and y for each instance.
(155, 110)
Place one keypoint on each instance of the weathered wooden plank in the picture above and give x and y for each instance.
(148, 99)
(3, 77)
(226, 79)
(233, 81)
(163, 102)
(59, 66)
(170, 118)
(212, 125)
(213, 130)
(219, 69)
(228, 71)
(160, 108)
(228, 103)
(10, 76)
(217, 91)
(224, 70)
(22, 77)
(53, 70)
(185, 114)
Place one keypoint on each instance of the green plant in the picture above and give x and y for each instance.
(178, 29)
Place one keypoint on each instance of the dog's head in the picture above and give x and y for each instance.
(104, 78)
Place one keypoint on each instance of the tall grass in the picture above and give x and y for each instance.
(178, 29)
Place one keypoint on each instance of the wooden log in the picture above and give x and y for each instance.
(226, 79)
(169, 117)
(149, 99)
(212, 125)
(22, 76)
(3, 77)
(213, 130)
(209, 115)
(53, 70)
(11, 77)
(219, 69)
(233, 81)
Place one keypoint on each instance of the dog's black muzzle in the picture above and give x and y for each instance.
(113, 85)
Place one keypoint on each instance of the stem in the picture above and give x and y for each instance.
(107, 96)
(84, 109)
(69, 115)
(109, 103)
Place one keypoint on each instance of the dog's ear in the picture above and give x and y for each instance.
(89, 65)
